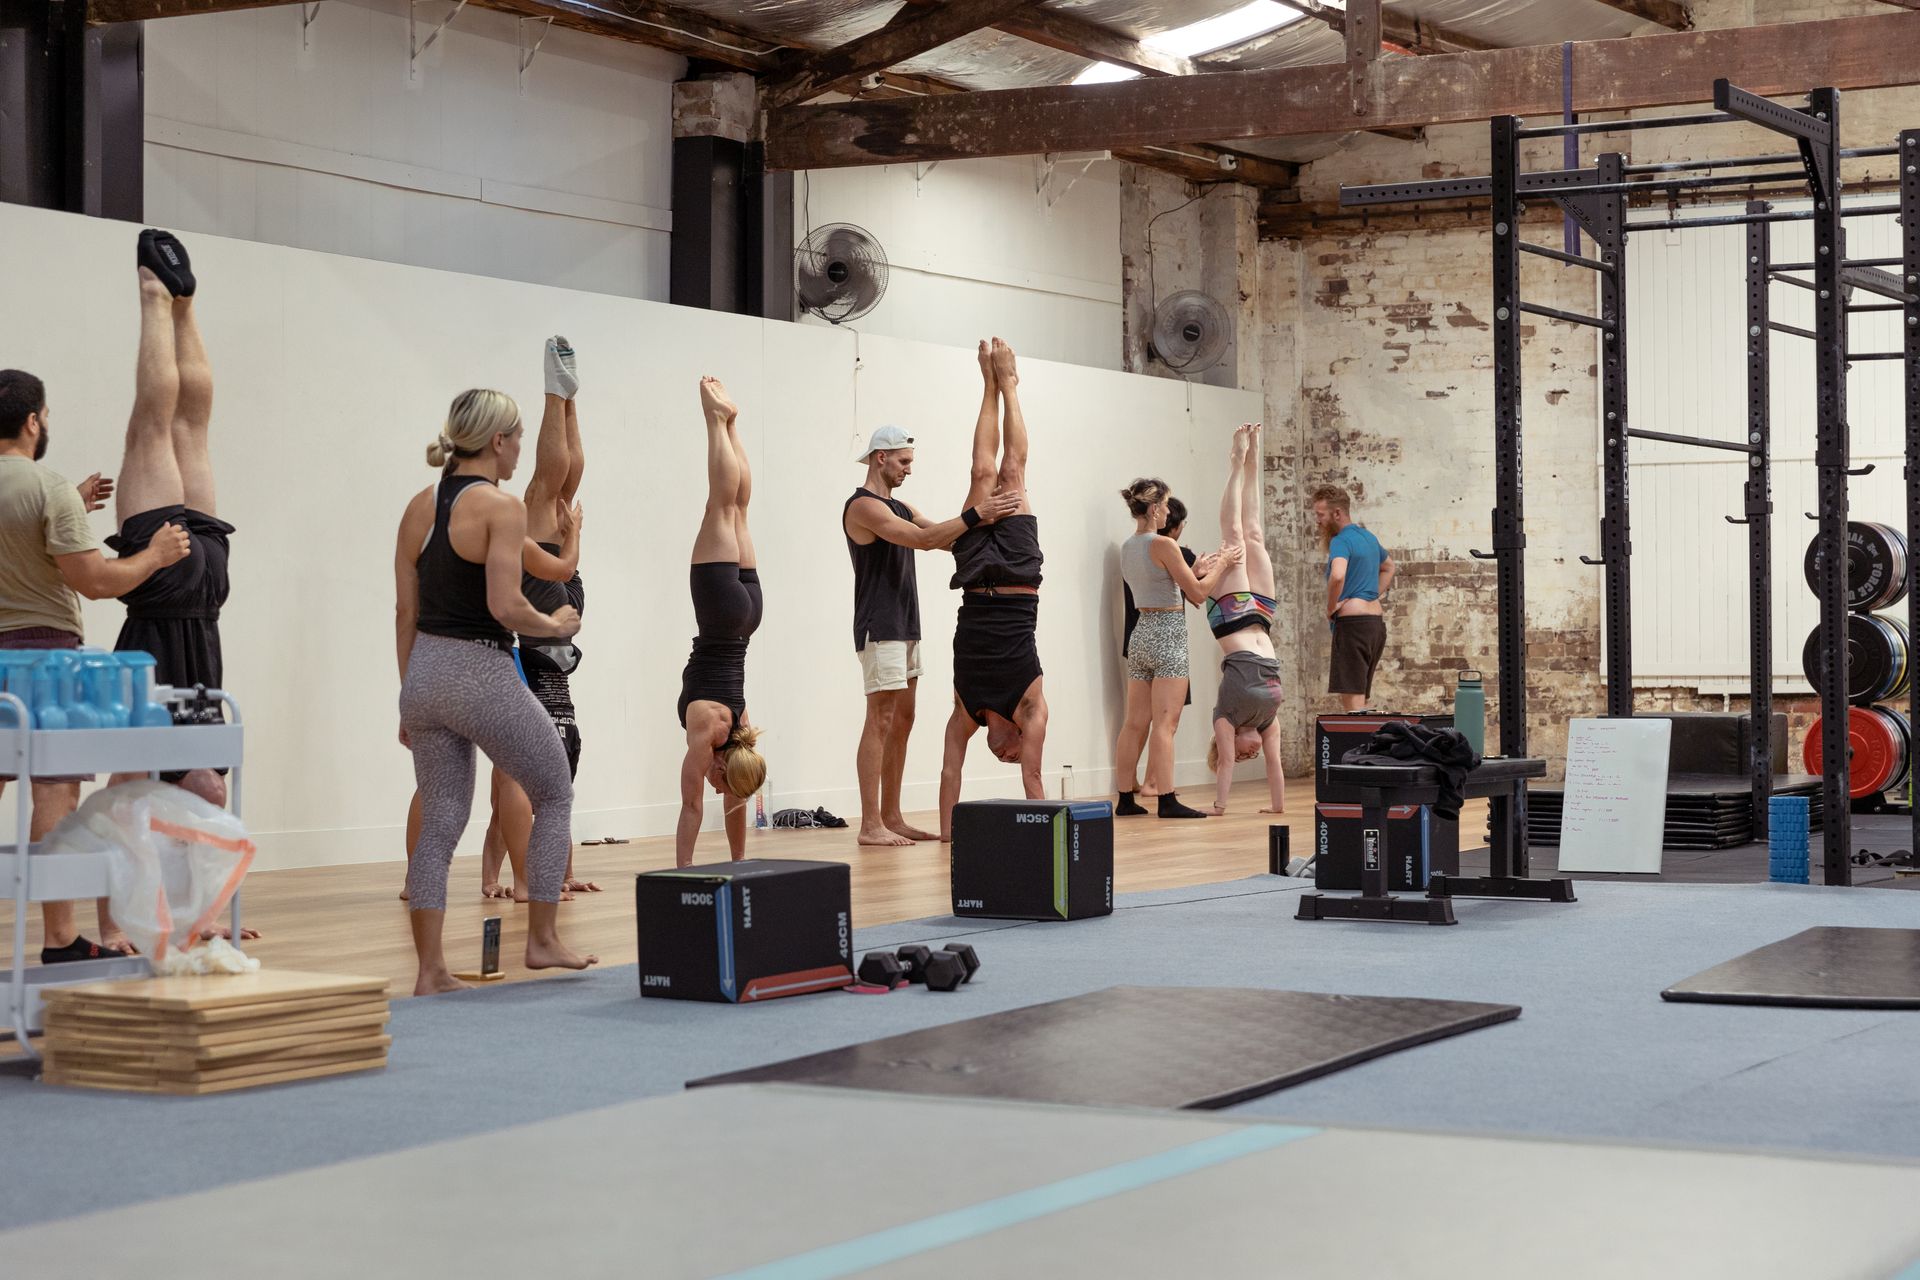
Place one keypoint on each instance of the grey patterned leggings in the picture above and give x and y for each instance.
(459, 695)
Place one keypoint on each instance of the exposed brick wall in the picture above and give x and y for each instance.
(1373, 353)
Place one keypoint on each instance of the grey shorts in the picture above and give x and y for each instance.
(1249, 690)
(1158, 650)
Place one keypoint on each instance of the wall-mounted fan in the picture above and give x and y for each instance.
(840, 272)
(1191, 331)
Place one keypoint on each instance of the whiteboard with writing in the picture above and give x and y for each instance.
(1615, 802)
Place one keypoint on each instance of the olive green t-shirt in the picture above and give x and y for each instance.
(41, 516)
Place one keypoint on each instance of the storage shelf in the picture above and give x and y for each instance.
(58, 752)
(40, 978)
(56, 877)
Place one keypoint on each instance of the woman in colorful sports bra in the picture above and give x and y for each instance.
(1246, 712)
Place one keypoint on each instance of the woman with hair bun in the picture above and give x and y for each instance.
(1160, 583)
(725, 582)
(458, 603)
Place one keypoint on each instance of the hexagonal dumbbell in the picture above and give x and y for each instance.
(944, 971)
(967, 957)
(913, 959)
(881, 969)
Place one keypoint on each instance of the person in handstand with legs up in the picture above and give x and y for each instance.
(996, 663)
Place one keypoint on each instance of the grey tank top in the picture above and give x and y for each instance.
(1152, 586)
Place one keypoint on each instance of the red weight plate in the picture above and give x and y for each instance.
(1874, 748)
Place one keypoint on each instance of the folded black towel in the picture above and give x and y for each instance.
(1448, 750)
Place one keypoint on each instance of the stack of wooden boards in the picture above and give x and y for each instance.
(194, 1035)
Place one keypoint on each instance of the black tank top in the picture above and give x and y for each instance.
(453, 590)
(548, 596)
(886, 595)
(1006, 554)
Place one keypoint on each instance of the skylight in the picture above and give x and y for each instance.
(1231, 27)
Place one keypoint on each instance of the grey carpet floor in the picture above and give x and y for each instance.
(1595, 1054)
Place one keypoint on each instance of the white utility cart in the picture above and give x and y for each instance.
(27, 753)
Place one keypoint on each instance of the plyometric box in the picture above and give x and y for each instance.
(1419, 844)
(1033, 859)
(743, 932)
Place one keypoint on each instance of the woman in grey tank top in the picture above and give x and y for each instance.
(1162, 584)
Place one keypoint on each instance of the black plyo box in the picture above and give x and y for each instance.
(744, 932)
(1033, 859)
(1334, 736)
(1419, 843)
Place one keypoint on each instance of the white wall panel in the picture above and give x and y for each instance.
(1687, 364)
(334, 372)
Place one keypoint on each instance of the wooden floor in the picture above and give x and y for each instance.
(349, 919)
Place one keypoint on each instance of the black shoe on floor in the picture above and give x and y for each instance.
(79, 949)
(1128, 806)
(825, 819)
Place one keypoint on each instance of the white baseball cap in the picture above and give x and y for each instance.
(888, 437)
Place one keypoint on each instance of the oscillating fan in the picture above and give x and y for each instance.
(1191, 331)
(840, 272)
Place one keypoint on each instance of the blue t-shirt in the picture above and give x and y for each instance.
(1363, 555)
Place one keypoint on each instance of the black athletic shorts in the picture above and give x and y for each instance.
(553, 690)
(1358, 641)
(175, 614)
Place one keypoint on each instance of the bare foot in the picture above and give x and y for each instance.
(986, 361)
(883, 838)
(555, 954)
(1217, 810)
(582, 886)
(519, 892)
(435, 982)
(1003, 366)
(494, 890)
(901, 827)
(1273, 811)
(403, 895)
(117, 941)
(226, 931)
(716, 402)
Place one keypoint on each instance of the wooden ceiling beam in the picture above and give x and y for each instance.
(1670, 14)
(912, 32)
(1673, 69)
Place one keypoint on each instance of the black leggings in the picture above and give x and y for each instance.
(727, 606)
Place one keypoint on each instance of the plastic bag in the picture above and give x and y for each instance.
(173, 860)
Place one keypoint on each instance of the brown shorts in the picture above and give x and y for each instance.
(40, 638)
(1358, 640)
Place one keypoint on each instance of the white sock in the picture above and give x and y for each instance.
(563, 379)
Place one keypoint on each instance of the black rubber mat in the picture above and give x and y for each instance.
(1817, 968)
(1168, 1047)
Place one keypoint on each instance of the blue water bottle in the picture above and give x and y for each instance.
(16, 678)
(1470, 710)
(80, 713)
(47, 711)
(142, 711)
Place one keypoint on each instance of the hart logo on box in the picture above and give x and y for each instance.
(656, 980)
(746, 907)
(1033, 859)
(696, 899)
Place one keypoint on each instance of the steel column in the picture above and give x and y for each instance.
(1908, 163)
(1616, 545)
(1759, 516)
(1509, 516)
(1830, 457)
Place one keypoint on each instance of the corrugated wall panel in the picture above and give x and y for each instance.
(1687, 365)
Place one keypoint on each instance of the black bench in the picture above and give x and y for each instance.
(1382, 787)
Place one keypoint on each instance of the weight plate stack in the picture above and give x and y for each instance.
(1879, 662)
(1876, 565)
(1879, 745)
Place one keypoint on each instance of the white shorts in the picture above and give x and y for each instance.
(889, 664)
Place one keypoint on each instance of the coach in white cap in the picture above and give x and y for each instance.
(882, 534)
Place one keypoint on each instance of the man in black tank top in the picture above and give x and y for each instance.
(997, 681)
(882, 534)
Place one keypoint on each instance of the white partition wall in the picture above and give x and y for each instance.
(333, 373)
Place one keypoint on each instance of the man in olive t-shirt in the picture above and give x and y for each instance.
(49, 558)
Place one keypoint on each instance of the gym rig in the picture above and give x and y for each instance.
(1596, 199)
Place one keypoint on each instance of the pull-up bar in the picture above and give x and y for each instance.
(1748, 219)
(1571, 317)
(1611, 126)
(1572, 259)
(1731, 446)
(1741, 162)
